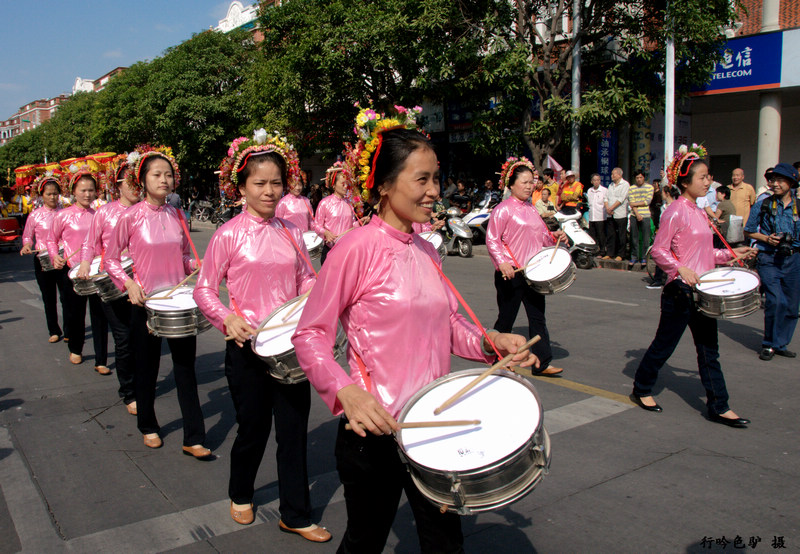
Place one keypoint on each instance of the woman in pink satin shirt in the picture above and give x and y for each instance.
(264, 262)
(153, 233)
(516, 233)
(684, 249)
(335, 214)
(296, 208)
(117, 312)
(402, 324)
(70, 227)
(34, 237)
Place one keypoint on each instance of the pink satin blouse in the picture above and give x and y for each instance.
(335, 215)
(296, 209)
(521, 228)
(101, 231)
(70, 227)
(37, 227)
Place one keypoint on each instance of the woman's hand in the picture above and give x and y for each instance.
(745, 252)
(59, 262)
(83, 269)
(361, 408)
(135, 292)
(438, 224)
(329, 237)
(26, 250)
(560, 235)
(507, 270)
(237, 327)
(507, 343)
(689, 276)
(364, 220)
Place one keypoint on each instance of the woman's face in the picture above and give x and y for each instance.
(296, 187)
(159, 180)
(698, 186)
(84, 192)
(339, 188)
(523, 186)
(50, 196)
(127, 194)
(263, 189)
(410, 197)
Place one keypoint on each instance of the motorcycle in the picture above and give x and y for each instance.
(456, 235)
(582, 246)
(225, 211)
(203, 210)
(478, 219)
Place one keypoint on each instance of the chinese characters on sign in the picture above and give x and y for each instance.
(606, 155)
(747, 63)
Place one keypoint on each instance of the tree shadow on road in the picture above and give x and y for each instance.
(7, 403)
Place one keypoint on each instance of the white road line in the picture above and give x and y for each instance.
(30, 286)
(37, 303)
(36, 533)
(600, 300)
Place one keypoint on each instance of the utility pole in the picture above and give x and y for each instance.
(576, 87)
(669, 103)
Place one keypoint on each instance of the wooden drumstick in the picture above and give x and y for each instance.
(553, 257)
(342, 234)
(296, 305)
(426, 424)
(450, 401)
(731, 280)
(265, 328)
(167, 295)
(527, 266)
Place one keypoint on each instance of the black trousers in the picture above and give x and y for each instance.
(325, 250)
(76, 324)
(510, 294)
(118, 315)
(257, 397)
(617, 237)
(147, 359)
(374, 476)
(49, 282)
(597, 230)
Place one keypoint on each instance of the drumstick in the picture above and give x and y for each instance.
(425, 424)
(296, 305)
(450, 401)
(192, 274)
(342, 234)
(527, 266)
(266, 328)
(73, 253)
(553, 257)
(731, 280)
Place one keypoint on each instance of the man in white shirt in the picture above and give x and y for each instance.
(709, 203)
(616, 205)
(596, 197)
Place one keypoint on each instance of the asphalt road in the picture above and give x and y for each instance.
(75, 476)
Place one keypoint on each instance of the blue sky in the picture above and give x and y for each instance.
(47, 44)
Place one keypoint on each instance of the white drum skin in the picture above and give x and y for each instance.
(548, 277)
(313, 244)
(85, 287)
(437, 241)
(732, 299)
(177, 316)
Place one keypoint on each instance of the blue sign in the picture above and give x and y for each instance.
(606, 155)
(747, 63)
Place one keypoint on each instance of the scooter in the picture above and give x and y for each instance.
(456, 235)
(581, 245)
(478, 219)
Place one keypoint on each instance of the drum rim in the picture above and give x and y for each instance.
(167, 289)
(264, 324)
(455, 375)
(548, 248)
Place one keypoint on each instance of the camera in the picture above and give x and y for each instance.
(784, 247)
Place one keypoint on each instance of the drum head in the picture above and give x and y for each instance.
(433, 237)
(506, 405)
(93, 270)
(743, 282)
(274, 342)
(181, 299)
(312, 240)
(539, 268)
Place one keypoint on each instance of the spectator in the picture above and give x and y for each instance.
(655, 205)
(596, 198)
(461, 198)
(743, 195)
(449, 191)
(617, 208)
(639, 197)
(549, 183)
(725, 210)
(538, 187)
(544, 206)
(708, 203)
(174, 200)
(571, 193)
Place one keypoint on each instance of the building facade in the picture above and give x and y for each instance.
(29, 117)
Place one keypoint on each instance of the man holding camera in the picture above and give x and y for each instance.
(773, 223)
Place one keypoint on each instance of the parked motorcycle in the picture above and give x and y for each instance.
(456, 235)
(582, 246)
(226, 210)
(203, 210)
(478, 219)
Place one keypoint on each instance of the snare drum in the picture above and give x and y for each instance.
(437, 241)
(45, 261)
(313, 244)
(106, 288)
(476, 468)
(548, 277)
(729, 300)
(85, 287)
(274, 344)
(177, 316)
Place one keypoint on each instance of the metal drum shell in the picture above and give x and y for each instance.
(107, 290)
(491, 486)
(316, 251)
(559, 284)
(176, 323)
(441, 249)
(728, 307)
(45, 262)
(83, 287)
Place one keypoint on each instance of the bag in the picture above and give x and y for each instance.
(735, 229)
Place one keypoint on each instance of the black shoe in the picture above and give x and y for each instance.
(786, 353)
(638, 401)
(739, 422)
(767, 354)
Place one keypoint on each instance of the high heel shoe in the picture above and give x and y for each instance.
(638, 401)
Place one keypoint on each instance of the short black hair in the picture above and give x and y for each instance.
(638, 172)
(726, 192)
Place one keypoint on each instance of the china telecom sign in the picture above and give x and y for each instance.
(748, 63)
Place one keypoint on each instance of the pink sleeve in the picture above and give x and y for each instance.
(55, 235)
(722, 255)
(119, 241)
(280, 210)
(320, 219)
(304, 274)
(494, 237)
(91, 243)
(27, 233)
(206, 292)
(662, 245)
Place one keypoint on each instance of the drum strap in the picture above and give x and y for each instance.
(466, 307)
(363, 370)
(297, 247)
(516, 263)
(188, 236)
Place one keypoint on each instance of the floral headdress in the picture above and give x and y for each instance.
(243, 148)
(684, 153)
(115, 170)
(49, 176)
(511, 164)
(348, 167)
(369, 128)
(74, 171)
(142, 152)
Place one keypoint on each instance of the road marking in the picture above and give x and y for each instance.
(586, 389)
(30, 286)
(37, 303)
(37, 534)
(600, 300)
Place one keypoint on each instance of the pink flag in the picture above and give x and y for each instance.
(553, 164)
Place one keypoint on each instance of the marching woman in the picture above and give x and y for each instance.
(335, 215)
(70, 227)
(516, 233)
(265, 264)
(296, 208)
(117, 312)
(37, 229)
(157, 241)
(402, 324)
(683, 248)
